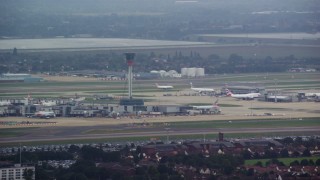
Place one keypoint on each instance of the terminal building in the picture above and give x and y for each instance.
(9, 77)
(65, 108)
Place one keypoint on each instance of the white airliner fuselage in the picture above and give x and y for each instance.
(163, 87)
(243, 96)
(205, 107)
(202, 90)
(48, 103)
(5, 103)
(44, 114)
(312, 94)
(78, 99)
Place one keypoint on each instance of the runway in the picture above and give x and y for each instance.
(71, 133)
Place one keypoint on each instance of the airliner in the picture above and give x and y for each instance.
(44, 114)
(206, 107)
(5, 103)
(163, 87)
(312, 94)
(201, 90)
(247, 96)
(78, 99)
(48, 103)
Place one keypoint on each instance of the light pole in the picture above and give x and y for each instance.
(275, 90)
(167, 130)
(251, 108)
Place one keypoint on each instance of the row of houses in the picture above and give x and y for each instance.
(210, 147)
(152, 153)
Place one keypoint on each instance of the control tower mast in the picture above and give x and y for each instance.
(129, 59)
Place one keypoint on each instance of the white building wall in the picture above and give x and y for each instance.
(15, 173)
(184, 71)
(191, 72)
(199, 72)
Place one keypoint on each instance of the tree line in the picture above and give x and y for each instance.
(214, 64)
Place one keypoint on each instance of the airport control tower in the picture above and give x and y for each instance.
(129, 59)
(130, 100)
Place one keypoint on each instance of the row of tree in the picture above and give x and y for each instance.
(62, 62)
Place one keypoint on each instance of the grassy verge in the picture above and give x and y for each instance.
(14, 132)
(199, 137)
(285, 161)
(208, 104)
(258, 123)
(273, 109)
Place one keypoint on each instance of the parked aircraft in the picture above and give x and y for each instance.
(312, 94)
(5, 103)
(278, 97)
(48, 103)
(44, 114)
(78, 99)
(202, 90)
(248, 96)
(207, 107)
(163, 87)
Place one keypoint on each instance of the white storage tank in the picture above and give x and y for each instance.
(199, 72)
(154, 72)
(191, 72)
(184, 71)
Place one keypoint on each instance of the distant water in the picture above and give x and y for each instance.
(91, 43)
(270, 35)
(278, 12)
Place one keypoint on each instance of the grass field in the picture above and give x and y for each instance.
(14, 132)
(207, 104)
(234, 112)
(289, 81)
(200, 137)
(265, 123)
(285, 161)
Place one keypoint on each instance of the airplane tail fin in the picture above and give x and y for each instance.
(229, 93)
(191, 85)
(157, 84)
(216, 102)
(29, 97)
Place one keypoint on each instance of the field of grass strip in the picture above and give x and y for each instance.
(285, 161)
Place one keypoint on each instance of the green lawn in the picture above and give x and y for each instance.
(207, 104)
(163, 138)
(14, 132)
(249, 123)
(285, 161)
